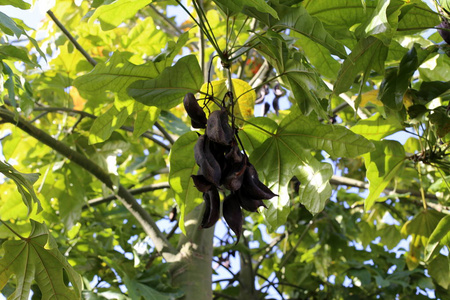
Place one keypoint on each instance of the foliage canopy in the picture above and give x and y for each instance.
(341, 106)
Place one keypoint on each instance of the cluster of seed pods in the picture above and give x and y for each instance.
(223, 166)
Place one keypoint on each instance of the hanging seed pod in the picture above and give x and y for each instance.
(195, 112)
(218, 129)
(233, 214)
(234, 170)
(254, 188)
(444, 30)
(201, 183)
(209, 167)
(212, 208)
(248, 204)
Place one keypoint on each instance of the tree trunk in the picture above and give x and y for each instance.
(193, 272)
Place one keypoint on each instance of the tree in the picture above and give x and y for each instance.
(99, 201)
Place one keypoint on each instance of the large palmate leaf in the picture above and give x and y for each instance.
(182, 166)
(284, 153)
(244, 97)
(439, 269)
(422, 226)
(38, 258)
(24, 184)
(113, 14)
(417, 17)
(382, 165)
(376, 127)
(168, 89)
(299, 20)
(370, 53)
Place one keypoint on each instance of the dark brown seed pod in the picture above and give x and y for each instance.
(212, 208)
(195, 112)
(209, 167)
(444, 31)
(254, 188)
(218, 129)
(201, 183)
(233, 214)
(248, 204)
(234, 170)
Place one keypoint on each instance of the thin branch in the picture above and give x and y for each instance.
(177, 30)
(71, 38)
(137, 191)
(147, 134)
(165, 133)
(339, 180)
(269, 248)
(148, 224)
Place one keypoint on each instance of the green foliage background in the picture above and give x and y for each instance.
(98, 148)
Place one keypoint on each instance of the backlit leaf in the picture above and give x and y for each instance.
(422, 226)
(439, 238)
(382, 166)
(113, 14)
(38, 258)
(24, 184)
(106, 123)
(17, 3)
(439, 269)
(376, 127)
(169, 88)
(182, 166)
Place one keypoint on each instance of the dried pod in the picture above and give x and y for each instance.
(234, 170)
(218, 129)
(201, 183)
(173, 214)
(275, 105)
(212, 208)
(248, 204)
(195, 112)
(209, 167)
(233, 214)
(254, 188)
(444, 31)
(266, 108)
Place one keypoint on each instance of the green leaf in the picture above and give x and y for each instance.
(376, 127)
(319, 56)
(417, 16)
(106, 123)
(430, 90)
(138, 290)
(24, 184)
(112, 15)
(256, 131)
(238, 5)
(115, 75)
(146, 116)
(8, 26)
(169, 88)
(284, 154)
(8, 52)
(382, 165)
(336, 140)
(439, 270)
(306, 86)
(397, 81)
(369, 53)
(421, 227)
(390, 236)
(38, 258)
(299, 20)
(182, 166)
(441, 120)
(439, 237)
(436, 68)
(17, 3)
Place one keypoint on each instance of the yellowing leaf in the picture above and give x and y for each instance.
(370, 96)
(37, 258)
(244, 97)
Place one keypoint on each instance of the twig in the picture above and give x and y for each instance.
(149, 226)
(165, 133)
(71, 38)
(269, 248)
(137, 191)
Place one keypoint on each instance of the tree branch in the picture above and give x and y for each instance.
(137, 191)
(148, 224)
(339, 180)
(147, 134)
(71, 38)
